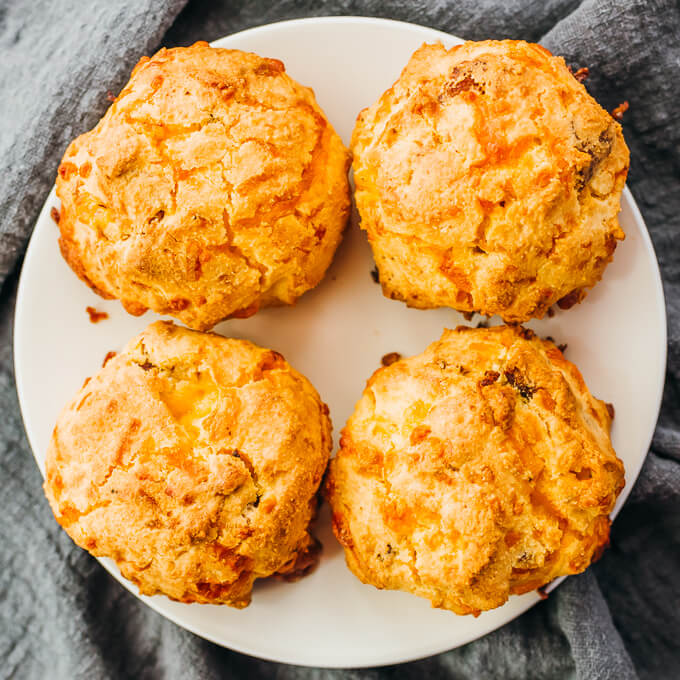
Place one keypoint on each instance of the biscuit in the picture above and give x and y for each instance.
(193, 461)
(480, 468)
(489, 180)
(213, 186)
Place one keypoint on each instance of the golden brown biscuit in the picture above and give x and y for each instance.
(488, 180)
(479, 468)
(193, 461)
(214, 185)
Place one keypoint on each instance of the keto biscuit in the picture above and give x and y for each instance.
(213, 186)
(193, 461)
(489, 180)
(480, 468)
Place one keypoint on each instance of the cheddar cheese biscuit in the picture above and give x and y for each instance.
(480, 468)
(489, 180)
(213, 186)
(193, 461)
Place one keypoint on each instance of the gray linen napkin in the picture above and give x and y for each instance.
(62, 615)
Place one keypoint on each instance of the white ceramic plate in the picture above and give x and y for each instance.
(336, 335)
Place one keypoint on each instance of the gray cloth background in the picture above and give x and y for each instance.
(61, 614)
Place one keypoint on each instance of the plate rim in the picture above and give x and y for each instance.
(381, 659)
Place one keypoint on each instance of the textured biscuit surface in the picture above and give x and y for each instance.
(489, 180)
(193, 461)
(477, 469)
(214, 185)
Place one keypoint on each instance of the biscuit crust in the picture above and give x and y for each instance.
(213, 186)
(489, 180)
(480, 468)
(193, 461)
